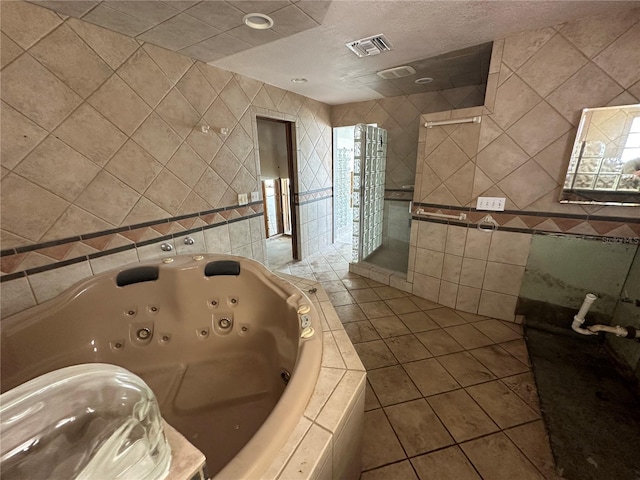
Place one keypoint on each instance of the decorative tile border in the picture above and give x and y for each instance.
(312, 196)
(589, 226)
(31, 259)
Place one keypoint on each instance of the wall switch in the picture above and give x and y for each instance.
(242, 199)
(255, 196)
(495, 204)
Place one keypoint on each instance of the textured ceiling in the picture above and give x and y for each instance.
(309, 35)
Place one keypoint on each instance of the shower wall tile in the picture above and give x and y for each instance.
(400, 116)
(116, 260)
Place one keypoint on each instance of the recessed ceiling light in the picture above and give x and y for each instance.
(258, 21)
(424, 80)
(299, 80)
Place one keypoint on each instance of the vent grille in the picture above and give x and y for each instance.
(396, 72)
(366, 47)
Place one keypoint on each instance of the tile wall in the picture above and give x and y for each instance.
(468, 269)
(101, 149)
(539, 81)
(400, 116)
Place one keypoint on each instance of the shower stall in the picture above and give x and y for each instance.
(369, 164)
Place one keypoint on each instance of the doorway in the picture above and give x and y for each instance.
(275, 143)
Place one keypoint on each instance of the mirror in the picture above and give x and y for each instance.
(605, 161)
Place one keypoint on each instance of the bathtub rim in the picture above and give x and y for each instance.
(255, 457)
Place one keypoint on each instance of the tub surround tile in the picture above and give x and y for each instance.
(328, 379)
(351, 359)
(186, 460)
(333, 415)
(330, 354)
(312, 452)
(47, 285)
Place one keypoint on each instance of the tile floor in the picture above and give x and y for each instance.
(450, 395)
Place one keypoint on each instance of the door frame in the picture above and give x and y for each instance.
(293, 176)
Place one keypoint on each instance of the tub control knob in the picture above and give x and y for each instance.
(302, 309)
(189, 241)
(307, 332)
(166, 247)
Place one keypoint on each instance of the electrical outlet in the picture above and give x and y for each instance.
(495, 204)
(255, 196)
(242, 199)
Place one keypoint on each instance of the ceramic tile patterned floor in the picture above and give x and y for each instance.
(450, 395)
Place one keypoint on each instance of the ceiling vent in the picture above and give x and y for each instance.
(396, 72)
(366, 47)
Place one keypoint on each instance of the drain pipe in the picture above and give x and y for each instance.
(578, 320)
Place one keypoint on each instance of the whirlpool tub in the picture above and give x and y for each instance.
(231, 351)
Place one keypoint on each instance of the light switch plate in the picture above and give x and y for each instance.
(495, 204)
(255, 196)
(242, 199)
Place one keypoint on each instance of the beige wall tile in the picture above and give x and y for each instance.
(75, 219)
(25, 24)
(592, 34)
(589, 86)
(432, 235)
(448, 294)
(19, 136)
(154, 251)
(70, 59)
(426, 287)
(477, 245)
(211, 187)
(46, 285)
(429, 262)
(510, 247)
(145, 78)
(187, 165)
(167, 191)
(468, 299)
(172, 64)
(550, 66)
(501, 157)
(112, 47)
(218, 239)
(144, 211)
(16, 296)
(527, 184)
(115, 260)
(10, 50)
(454, 155)
(472, 272)
(451, 268)
(91, 134)
(134, 166)
(538, 128)
(456, 238)
(620, 58)
(58, 168)
(157, 138)
(178, 113)
(27, 208)
(497, 305)
(32, 90)
(520, 47)
(197, 90)
(108, 198)
(514, 99)
(503, 278)
(121, 105)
